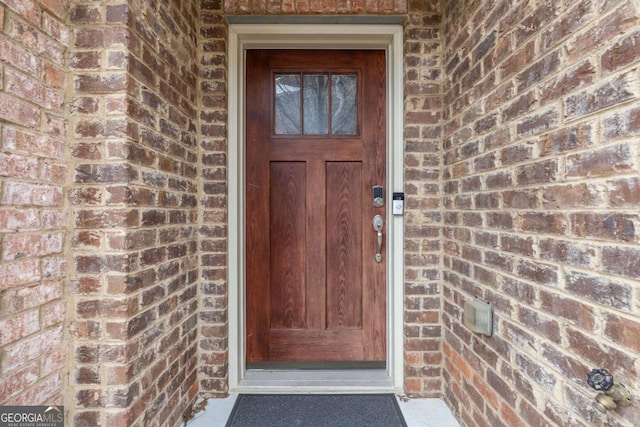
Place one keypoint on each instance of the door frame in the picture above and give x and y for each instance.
(243, 36)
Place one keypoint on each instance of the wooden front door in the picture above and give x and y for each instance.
(316, 141)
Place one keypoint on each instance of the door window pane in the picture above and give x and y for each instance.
(343, 104)
(316, 104)
(316, 99)
(287, 90)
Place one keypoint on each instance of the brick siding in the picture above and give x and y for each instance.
(134, 195)
(423, 215)
(213, 314)
(521, 182)
(540, 190)
(33, 267)
(423, 97)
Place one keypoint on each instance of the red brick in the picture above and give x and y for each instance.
(23, 298)
(500, 220)
(566, 252)
(18, 112)
(544, 378)
(48, 390)
(498, 180)
(32, 90)
(624, 192)
(525, 199)
(606, 161)
(55, 6)
(30, 348)
(18, 245)
(544, 171)
(571, 196)
(100, 84)
(35, 145)
(569, 23)
(55, 28)
(596, 352)
(501, 387)
(105, 173)
(118, 13)
(18, 380)
(611, 293)
(19, 326)
(53, 266)
(102, 263)
(487, 201)
(540, 273)
(31, 194)
(522, 105)
(511, 417)
(572, 79)
(19, 57)
(53, 314)
(18, 167)
(53, 219)
(535, 21)
(12, 219)
(516, 154)
(107, 37)
(53, 172)
(19, 273)
(609, 226)
(543, 324)
(622, 124)
(25, 8)
(568, 366)
(539, 70)
(54, 76)
(518, 61)
(606, 94)
(569, 309)
(540, 222)
(530, 415)
(85, 14)
(495, 259)
(621, 261)
(86, 418)
(600, 33)
(624, 331)
(538, 123)
(501, 95)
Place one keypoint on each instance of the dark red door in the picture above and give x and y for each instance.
(316, 141)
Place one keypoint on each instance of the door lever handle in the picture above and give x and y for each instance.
(378, 225)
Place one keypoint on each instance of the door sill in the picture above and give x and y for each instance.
(270, 365)
(316, 381)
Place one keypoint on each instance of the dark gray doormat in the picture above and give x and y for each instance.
(316, 410)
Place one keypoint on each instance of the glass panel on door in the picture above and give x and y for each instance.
(316, 104)
(287, 100)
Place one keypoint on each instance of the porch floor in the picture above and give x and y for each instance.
(417, 413)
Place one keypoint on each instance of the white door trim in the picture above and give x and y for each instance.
(314, 36)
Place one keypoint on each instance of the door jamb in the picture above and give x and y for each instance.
(314, 36)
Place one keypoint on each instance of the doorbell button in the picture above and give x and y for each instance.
(398, 203)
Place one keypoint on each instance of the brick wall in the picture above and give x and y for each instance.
(423, 217)
(521, 179)
(133, 121)
(213, 338)
(423, 104)
(33, 271)
(541, 126)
